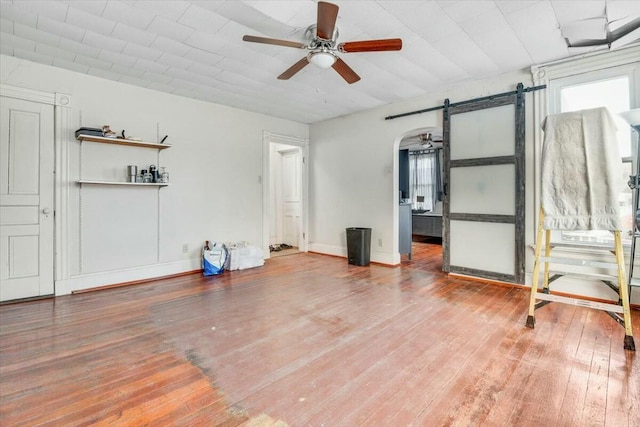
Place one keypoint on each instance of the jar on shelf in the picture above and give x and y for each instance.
(163, 175)
(147, 178)
(154, 173)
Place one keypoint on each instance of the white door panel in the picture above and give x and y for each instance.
(472, 239)
(16, 215)
(483, 190)
(291, 176)
(482, 133)
(21, 264)
(26, 199)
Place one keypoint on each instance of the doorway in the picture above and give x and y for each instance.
(420, 192)
(286, 199)
(285, 195)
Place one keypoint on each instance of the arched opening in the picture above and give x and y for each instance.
(420, 193)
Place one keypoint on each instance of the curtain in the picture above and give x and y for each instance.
(424, 179)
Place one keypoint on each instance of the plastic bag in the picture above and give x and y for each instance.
(242, 255)
(215, 257)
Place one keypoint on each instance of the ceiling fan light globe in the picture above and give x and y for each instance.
(322, 59)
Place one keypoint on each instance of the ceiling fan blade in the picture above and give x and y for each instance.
(265, 40)
(371, 45)
(586, 43)
(327, 15)
(345, 71)
(626, 34)
(585, 29)
(294, 69)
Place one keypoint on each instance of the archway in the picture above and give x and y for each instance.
(420, 190)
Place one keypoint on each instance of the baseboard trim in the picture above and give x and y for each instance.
(134, 282)
(490, 281)
(381, 264)
(528, 289)
(378, 258)
(107, 278)
(28, 299)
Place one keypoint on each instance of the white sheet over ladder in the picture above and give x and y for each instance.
(581, 171)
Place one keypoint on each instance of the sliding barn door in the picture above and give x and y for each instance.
(485, 194)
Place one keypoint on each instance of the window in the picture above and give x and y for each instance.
(424, 179)
(612, 89)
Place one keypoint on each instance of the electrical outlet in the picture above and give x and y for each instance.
(380, 242)
(185, 248)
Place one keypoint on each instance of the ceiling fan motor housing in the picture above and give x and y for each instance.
(311, 34)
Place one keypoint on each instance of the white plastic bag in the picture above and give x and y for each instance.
(243, 256)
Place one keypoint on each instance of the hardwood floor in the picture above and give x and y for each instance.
(308, 340)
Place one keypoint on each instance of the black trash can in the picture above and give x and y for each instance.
(358, 245)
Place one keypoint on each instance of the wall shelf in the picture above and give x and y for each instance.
(120, 141)
(132, 184)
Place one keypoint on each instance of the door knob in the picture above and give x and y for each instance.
(46, 211)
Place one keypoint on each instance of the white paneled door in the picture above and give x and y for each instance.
(26, 199)
(291, 196)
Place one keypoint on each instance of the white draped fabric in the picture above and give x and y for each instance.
(581, 167)
(423, 180)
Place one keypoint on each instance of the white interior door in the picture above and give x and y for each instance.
(26, 199)
(291, 196)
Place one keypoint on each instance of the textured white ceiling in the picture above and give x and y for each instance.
(195, 48)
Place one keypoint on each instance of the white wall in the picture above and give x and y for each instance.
(216, 167)
(119, 234)
(354, 159)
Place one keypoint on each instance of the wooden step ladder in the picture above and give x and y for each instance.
(539, 298)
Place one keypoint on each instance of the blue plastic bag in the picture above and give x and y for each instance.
(214, 258)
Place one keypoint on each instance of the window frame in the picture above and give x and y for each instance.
(572, 71)
(555, 88)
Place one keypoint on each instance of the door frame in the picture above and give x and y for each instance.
(269, 138)
(62, 138)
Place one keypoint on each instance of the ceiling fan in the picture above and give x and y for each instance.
(323, 47)
(427, 140)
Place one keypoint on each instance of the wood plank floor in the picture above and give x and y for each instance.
(308, 340)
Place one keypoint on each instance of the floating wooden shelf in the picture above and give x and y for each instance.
(120, 141)
(133, 184)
